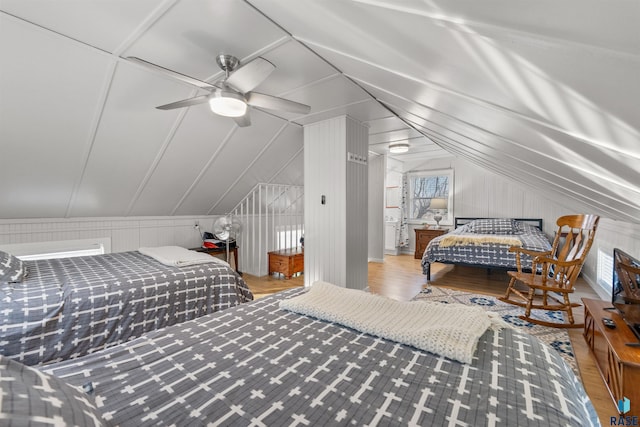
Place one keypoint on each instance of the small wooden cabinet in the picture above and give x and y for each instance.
(286, 261)
(618, 363)
(424, 236)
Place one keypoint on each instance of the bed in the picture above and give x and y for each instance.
(259, 364)
(65, 308)
(485, 242)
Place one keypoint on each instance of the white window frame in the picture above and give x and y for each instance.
(447, 216)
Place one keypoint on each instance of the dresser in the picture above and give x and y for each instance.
(286, 261)
(424, 236)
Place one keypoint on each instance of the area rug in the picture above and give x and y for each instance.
(556, 338)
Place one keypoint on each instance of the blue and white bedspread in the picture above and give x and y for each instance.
(257, 364)
(69, 307)
(487, 253)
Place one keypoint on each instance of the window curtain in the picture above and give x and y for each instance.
(403, 235)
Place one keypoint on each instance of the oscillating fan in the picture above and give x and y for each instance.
(227, 228)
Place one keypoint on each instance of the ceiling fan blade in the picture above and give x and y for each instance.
(274, 103)
(250, 75)
(185, 103)
(171, 73)
(243, 121)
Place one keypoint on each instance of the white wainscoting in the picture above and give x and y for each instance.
(125, 234)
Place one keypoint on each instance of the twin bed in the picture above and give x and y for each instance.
(262, 364)
(65, 308)
(485, 242)
(280, 360)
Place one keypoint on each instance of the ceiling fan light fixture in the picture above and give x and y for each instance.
(399, 147)
(227, 103)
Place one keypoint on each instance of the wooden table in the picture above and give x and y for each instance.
(216, 251)
(286, 261)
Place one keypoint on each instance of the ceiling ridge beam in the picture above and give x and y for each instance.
(93, 132)
(159, 155)
(249, 166)
(204, 168)
(468, 26)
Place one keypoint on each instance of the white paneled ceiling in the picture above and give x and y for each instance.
(543, 93)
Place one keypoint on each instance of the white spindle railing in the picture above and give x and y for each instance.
(272, 218)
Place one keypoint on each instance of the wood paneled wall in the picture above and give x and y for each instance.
(336, 231)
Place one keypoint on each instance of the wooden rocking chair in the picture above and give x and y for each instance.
(554, 271)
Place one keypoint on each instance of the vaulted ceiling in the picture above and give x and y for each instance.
(544, 93)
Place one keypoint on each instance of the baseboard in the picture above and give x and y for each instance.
(597, 288)
(375, 260)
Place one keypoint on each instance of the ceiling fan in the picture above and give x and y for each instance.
(231, 95)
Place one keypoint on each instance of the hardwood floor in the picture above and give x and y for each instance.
(400, 277)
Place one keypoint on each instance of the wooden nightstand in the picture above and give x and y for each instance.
(286, 261)
(215, 251)
(424, 236)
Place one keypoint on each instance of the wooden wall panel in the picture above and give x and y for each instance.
(342, 219)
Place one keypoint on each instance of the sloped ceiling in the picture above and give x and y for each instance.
(545, 93)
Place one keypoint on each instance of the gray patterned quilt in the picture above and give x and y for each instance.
(257, 364)
(69, 307)
(484, 254)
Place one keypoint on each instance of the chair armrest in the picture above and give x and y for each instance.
(533, 254)
(553, 261)
(529, 251)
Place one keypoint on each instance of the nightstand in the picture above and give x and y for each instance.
(424, 236)
(286, 261)
(215, 251)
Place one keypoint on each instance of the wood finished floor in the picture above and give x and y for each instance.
(400, 277)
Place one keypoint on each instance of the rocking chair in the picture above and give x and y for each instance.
(553, 273)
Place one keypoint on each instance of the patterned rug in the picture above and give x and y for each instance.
(554, 337)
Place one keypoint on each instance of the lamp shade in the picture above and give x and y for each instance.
(438, 204)
(399, 147)
(227, 103)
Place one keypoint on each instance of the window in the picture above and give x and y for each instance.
(59, 249)
(431, 193)
(604, 272)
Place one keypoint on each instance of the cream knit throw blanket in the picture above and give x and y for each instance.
(450, 330)
(466, 240)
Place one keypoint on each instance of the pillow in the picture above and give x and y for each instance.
(494, 226)
(11, 268)
(30, 397)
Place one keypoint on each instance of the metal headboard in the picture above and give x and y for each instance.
(459, 221)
